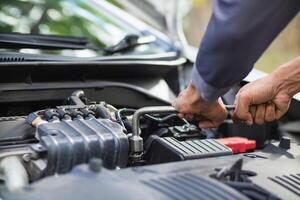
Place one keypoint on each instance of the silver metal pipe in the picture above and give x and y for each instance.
(14, 173)
(136, 142)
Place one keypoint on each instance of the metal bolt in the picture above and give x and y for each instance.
(26, 157)
(185, 127)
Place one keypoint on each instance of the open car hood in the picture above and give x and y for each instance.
(165, 15)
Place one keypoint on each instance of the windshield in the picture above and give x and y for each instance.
(81, 18)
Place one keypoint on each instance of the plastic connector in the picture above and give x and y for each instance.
(238, 144)
(34, 119)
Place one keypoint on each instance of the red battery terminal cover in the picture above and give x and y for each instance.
(238, 144)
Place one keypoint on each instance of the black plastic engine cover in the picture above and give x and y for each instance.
(276, 170)
(15, 129)
(69, 143)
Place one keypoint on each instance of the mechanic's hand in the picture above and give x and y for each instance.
(190, 105)
(263, 100)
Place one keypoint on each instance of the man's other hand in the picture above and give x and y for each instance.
(192, 106)
(263, 100)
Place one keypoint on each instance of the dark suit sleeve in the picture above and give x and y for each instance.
(238, 33)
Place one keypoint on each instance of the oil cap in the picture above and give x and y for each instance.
(285, 143)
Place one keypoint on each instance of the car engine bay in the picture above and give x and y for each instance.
(55, 140)
(133, 144)
(85, 103)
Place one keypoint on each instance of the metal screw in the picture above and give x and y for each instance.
(26, 157)
(185, 127)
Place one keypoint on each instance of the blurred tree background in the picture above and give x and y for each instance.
(285, 47)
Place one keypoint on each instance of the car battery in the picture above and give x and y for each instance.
(168, 149)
